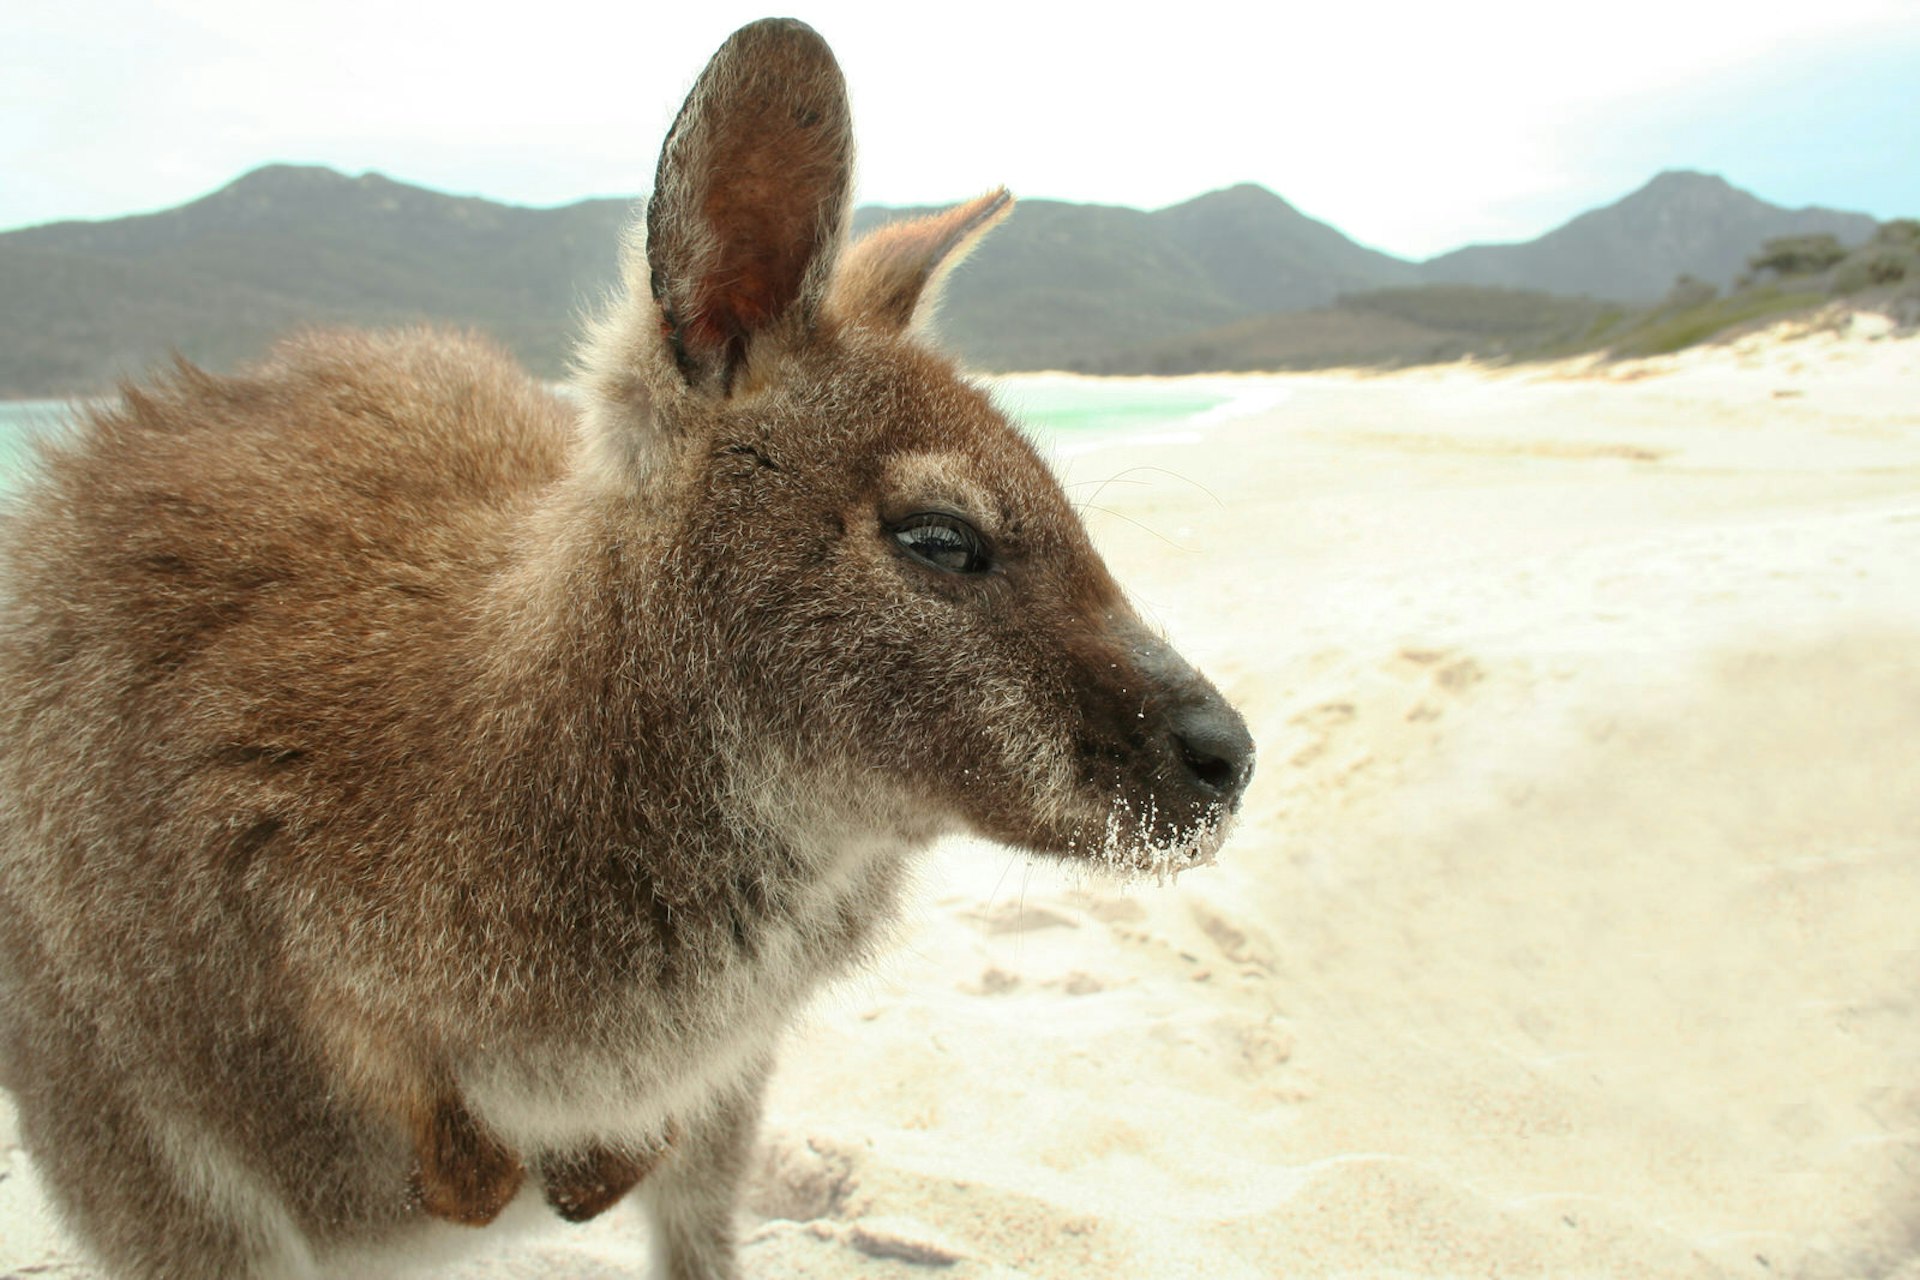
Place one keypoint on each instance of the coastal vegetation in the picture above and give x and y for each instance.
(1788, 274)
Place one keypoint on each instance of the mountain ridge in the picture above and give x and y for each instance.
(1060, 285)
(1680, 222)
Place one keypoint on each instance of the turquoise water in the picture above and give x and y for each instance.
(1057, 410)
(20, 421)
(17, 416)
(1063, 409)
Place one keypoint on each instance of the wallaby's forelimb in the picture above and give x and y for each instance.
(693, 1195)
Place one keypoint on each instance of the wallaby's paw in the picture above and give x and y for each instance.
(462, 1173)
(585, 1184)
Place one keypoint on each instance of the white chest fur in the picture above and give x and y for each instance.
(650, 1059)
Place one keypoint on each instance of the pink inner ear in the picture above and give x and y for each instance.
(777, 171)
(758, 273)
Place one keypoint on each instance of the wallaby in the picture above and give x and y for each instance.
(417, 788)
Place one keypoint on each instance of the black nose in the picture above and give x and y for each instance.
(1215, 747)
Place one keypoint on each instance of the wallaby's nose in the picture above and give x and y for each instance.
(1215, 748)
(1209, 739)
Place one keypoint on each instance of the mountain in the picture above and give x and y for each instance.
(1265, 255)
(1058, 286)
(1061, 284)
(1632, 250)
(287, 246)
(1056, 281)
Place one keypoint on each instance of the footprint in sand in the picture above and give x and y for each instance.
(1321, 721)
(801, 1178)
(1015, 917)
(1449, 671)
(1232, 941)
(994, 981)
(1080, 983)
(1448, 675)
(1110, 910)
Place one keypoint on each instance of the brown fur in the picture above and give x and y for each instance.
(462, 1173)
(889, 279)
(409, 779)
(584, 1184)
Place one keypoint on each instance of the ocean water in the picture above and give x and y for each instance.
(1065, 412)
(20, 422)
(1065, 415)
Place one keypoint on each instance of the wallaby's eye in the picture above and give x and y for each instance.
(943, 541)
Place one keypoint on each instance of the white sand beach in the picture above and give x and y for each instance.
(1573, 924)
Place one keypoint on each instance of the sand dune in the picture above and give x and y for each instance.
(1570, 930)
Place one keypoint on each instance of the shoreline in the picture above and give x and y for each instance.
(1837, 323)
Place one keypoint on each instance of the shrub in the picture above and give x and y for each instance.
(1899, 233)
(1660, 331)
(1798, 255)
(1876, 266)
(1688, 291)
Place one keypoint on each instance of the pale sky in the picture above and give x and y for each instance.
(1414, 128)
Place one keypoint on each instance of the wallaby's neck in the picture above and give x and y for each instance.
(565, 662)
(612, 717)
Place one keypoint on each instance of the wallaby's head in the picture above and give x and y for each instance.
(875, 571)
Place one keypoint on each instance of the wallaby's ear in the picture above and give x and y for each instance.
(750, 202)
(894, 276)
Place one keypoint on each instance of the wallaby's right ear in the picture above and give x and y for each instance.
(750, 202)
(891, 280)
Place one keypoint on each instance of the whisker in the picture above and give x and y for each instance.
(1089, 506)
(1180, 476)
(993, 896)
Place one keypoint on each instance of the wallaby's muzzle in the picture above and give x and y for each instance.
(1208, 736)
(1195, 744)
(1164, 759)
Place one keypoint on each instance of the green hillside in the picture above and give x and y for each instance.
(1386, 327)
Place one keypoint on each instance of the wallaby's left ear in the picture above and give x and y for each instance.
(892, 278)
(750, 202)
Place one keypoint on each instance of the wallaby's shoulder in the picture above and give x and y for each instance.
(415, 415)
(339, 451)
(350, 494)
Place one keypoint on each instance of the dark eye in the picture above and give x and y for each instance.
(943, 541)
